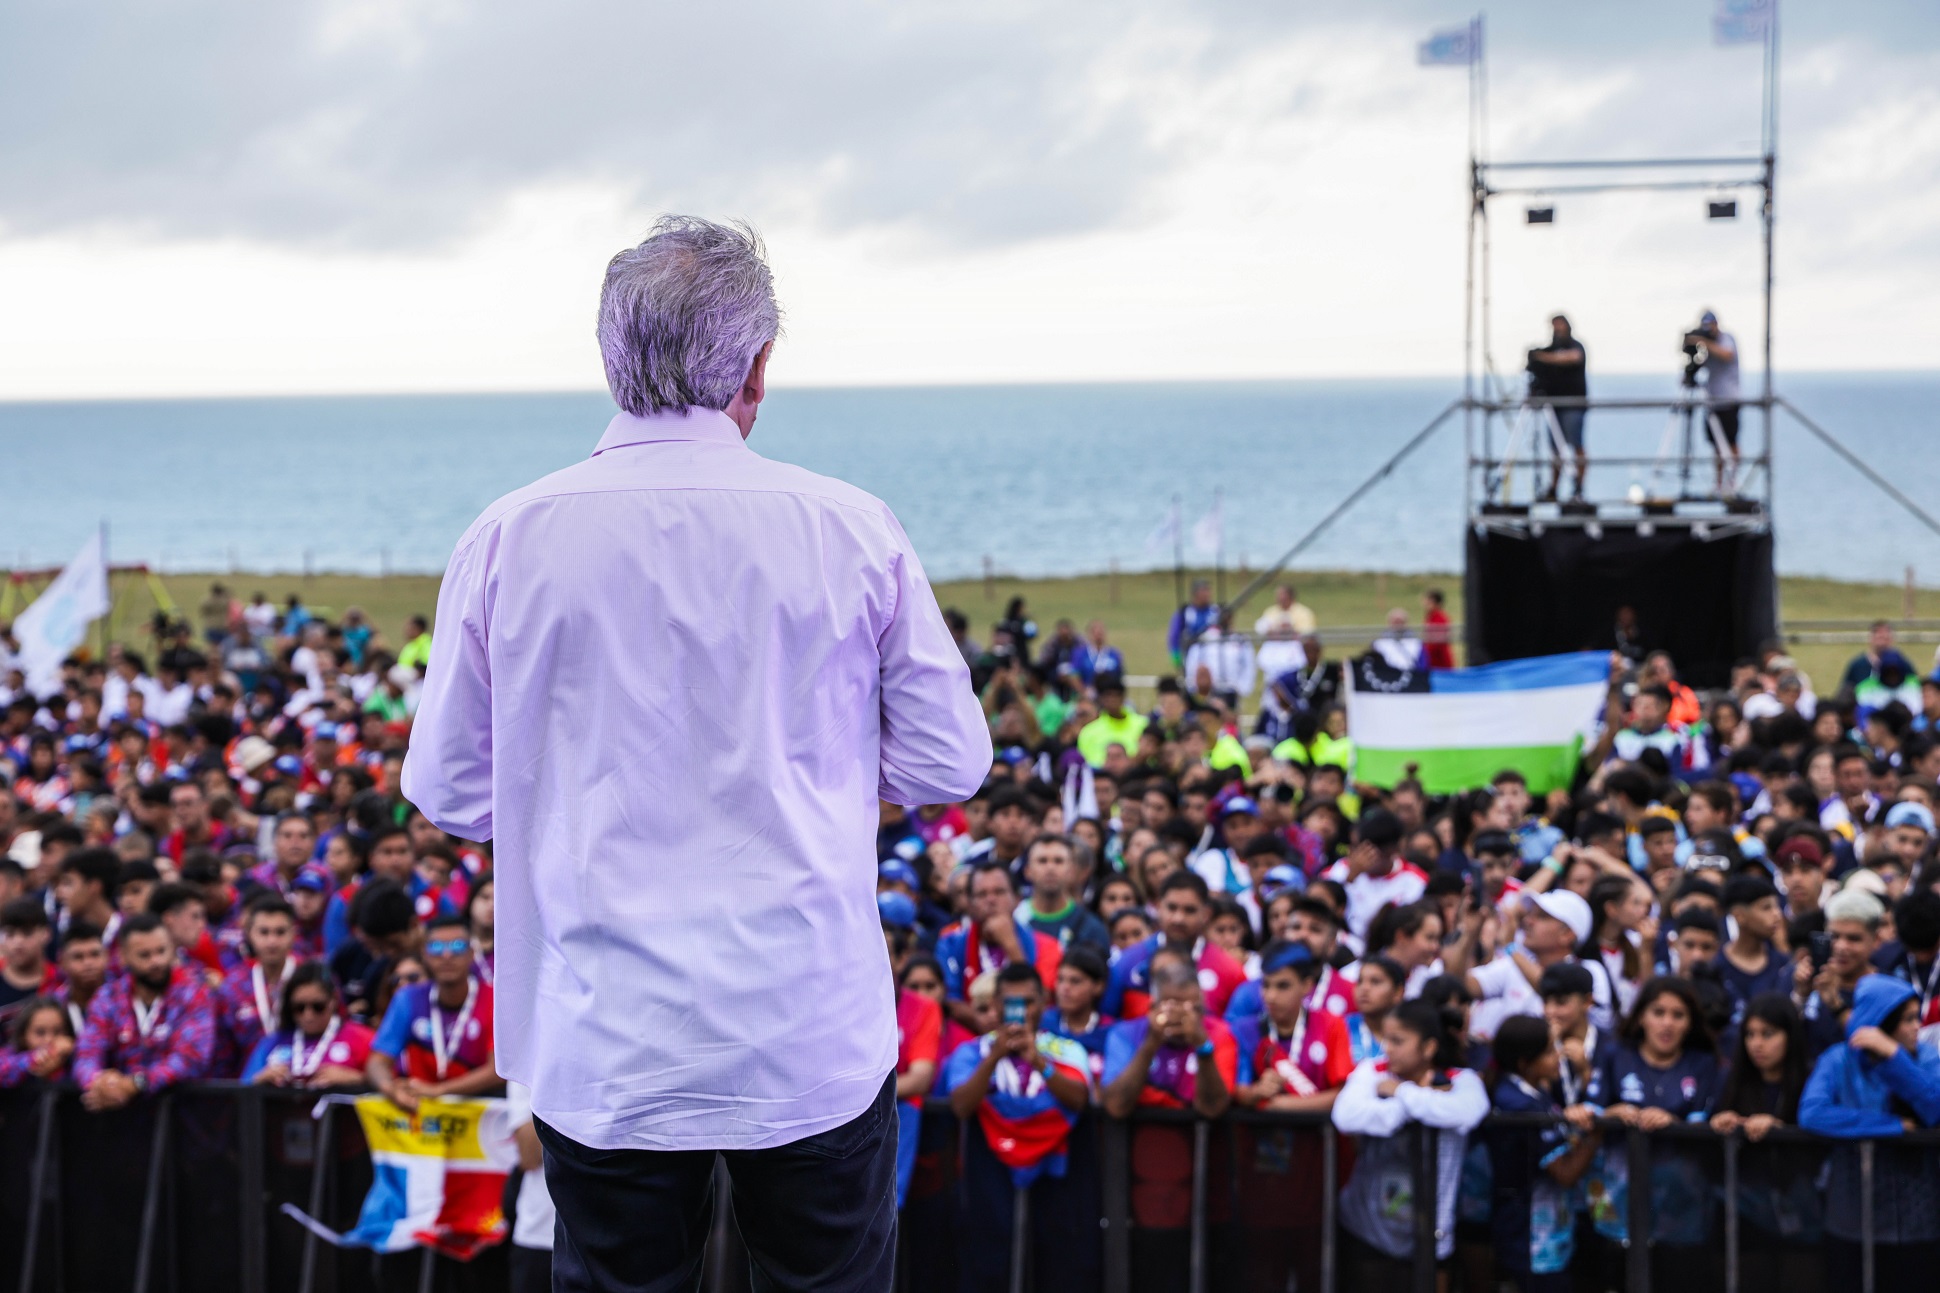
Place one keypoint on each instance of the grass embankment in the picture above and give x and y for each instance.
(1136, 607)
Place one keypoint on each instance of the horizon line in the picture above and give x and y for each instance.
(403, 392)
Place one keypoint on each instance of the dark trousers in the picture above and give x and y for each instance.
(816, 1214)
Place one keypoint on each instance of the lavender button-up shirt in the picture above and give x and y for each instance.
(670, 684)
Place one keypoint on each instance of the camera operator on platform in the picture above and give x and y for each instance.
(1715, 353)
(1560, 369)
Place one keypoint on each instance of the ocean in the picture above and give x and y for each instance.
(1038, 480)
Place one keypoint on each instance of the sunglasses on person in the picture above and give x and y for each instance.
(309, 1007)
(448, 947)
(407, 977)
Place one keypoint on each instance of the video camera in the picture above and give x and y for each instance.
(1696, 352)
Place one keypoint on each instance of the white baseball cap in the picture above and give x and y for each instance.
(1561, 904)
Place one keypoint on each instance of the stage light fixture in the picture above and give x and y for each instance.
(1727, 209)
(1701, 531)
(1646, 528)
(1540, 215)
(1594, 530)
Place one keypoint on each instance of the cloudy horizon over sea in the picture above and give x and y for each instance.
(1041, 480)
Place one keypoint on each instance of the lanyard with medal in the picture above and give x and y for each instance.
(441, 1046)
(302, 1066)
(1289, 1064)
(265, 1008)
(146, 1016)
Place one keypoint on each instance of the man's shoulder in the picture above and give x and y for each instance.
(751, 473)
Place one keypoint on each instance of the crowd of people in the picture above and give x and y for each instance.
(1731, 920)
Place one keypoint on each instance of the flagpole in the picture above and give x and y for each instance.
(1178, 550)
(1219, 544)
(107, 576)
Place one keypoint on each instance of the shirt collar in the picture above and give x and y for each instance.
(694, 424)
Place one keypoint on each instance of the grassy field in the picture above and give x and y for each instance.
(1134, 606)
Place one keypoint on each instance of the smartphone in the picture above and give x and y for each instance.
(1016, 1011)
(1821, 950)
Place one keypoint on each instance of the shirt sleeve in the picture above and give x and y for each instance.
(395, 1032)
(448, 770)
(1121, 1047)
(925, 1042)
(935, 738)
(91, 1052)
(1340, 1051)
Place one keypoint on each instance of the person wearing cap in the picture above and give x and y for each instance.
(1909, 832)
(1293, 1059)
(1554, 924)
(1053, 909)
(1222, 868)
(1720, 368)
(1801, 864)
(1568, 994)
(1751, 964)
(1374, 874)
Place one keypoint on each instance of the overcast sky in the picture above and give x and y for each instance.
(214, 196)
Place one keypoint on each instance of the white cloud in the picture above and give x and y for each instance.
(410, 197)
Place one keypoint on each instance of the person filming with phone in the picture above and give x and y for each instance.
(1835, 961)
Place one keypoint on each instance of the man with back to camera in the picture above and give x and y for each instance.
(1720, 368)
(670, 683)
(1560, 370)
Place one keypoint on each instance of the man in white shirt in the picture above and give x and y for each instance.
(671, 683)
(1287, 617)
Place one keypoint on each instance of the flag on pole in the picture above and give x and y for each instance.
(57, 621)
(1209, 531)
(1453, 46)
(1166, 534)
(438, 1178)
(1462, 726)
(1742, 22)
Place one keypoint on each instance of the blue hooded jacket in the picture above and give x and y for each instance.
(1849, 1096)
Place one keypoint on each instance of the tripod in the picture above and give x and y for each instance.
(1678, 435)
(1532, 421)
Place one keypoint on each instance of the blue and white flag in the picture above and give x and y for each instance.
(1454, 46)
(1742, 22)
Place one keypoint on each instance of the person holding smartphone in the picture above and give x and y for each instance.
(1021, 1090)
(1836, 960)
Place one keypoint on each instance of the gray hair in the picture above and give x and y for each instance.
(1856, 905)
(683, 315)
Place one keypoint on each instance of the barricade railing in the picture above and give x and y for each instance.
(184, 1192)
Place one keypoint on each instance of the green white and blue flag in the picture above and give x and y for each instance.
(1462, 726)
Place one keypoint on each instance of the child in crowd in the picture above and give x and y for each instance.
(1080, 987)
(1533, 1169)
(1376, 993)
(1568, 992)
(1414, 1082)
(1663, 1069)
(41, 1043)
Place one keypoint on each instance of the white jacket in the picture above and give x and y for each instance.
(1378, 1203)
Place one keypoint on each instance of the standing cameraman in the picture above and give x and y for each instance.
(1560, 369)
(1720, 367)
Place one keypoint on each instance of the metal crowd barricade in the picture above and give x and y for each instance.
(183, 1192)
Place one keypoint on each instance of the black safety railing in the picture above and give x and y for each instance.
(185, 1192)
